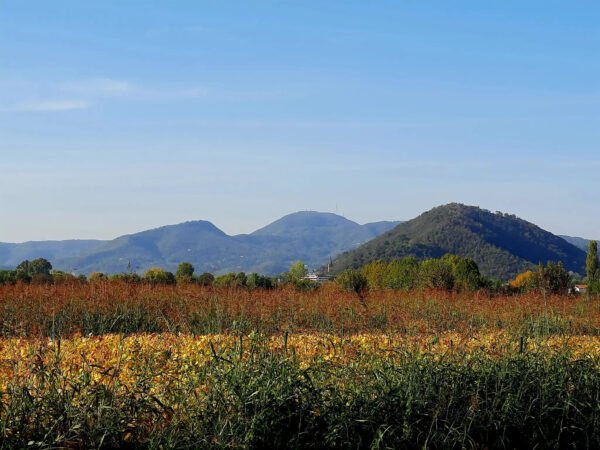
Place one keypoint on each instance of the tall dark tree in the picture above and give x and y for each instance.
(591, 262)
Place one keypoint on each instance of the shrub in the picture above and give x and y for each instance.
(96, 277)
(352, 280)
(185, 273)
(156, 275)
(206, 279)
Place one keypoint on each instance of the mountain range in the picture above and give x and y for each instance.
(12, 254)
(312, 237)
(577, 242)
(502, 245)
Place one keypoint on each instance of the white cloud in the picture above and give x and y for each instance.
(52, 106)
(29, 96)
(99, 86)
(188, 93)
(103, 87)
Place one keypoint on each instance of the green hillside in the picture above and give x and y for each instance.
(578, 242)
(501, 244)
(312, 237)
(199, 242)
(12, 254)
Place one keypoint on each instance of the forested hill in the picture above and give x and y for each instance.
(12, 254)
(501, 244)
(577, 242)
(312, 237)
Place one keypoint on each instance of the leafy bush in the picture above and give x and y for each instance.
(352, 280)
(156, 275)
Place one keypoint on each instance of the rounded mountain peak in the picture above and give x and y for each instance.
(303, 220)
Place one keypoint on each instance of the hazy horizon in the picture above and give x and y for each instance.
(258, 227)
(119, 117)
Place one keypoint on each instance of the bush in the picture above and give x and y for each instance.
(437, 274)
(352, 280)
(156, 275)
(553, 278)
(256, 281)
(127, 277)
(231, 280)
(403, 274)
(206, 279)
(58, 276)
(96, 277)
(8, 277)
(185, 273)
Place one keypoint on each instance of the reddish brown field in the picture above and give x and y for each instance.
(116, 365)
(114, 307)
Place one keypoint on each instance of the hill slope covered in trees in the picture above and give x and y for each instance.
(312, 237)
(12, 254)
(501, 244)
(578, 242)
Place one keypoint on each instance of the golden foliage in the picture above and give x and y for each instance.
(522, 280)
(112, 359)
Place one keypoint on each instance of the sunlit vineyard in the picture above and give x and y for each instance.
(116, 365)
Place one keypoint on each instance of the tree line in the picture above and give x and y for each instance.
(450, 273)
(455, 273)
(40, 271)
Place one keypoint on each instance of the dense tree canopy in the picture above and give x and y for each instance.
(38, 270)
(502, 245)
(448, 273)
(552, 278)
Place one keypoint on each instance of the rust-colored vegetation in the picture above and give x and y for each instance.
(117, 307)
(132, 365)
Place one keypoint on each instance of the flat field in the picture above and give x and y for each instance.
(115, 365)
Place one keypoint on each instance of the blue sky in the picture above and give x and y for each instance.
(120, 116)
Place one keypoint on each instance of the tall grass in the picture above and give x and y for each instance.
(249, 394)
(253, 397)
(113, 307)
